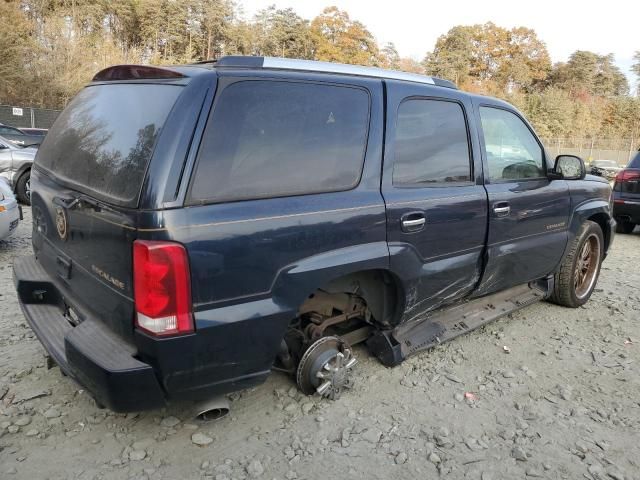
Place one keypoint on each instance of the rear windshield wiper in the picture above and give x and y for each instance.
(67, 203)
(70, 203)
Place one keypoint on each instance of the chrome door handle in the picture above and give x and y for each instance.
(418, 222)
(412, 222)
(502, 211)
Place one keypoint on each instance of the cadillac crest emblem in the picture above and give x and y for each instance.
(61, 223)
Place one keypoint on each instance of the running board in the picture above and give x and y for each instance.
(393, 346)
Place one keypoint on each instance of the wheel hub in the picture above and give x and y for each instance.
(325, 368)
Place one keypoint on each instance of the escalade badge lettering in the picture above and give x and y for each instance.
(553, 226)
(108, 277)
(61, 223)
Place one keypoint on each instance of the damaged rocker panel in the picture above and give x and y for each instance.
(393, 346)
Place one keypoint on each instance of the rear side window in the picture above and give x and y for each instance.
(635, 162)
(431, 144)
(104, 139)
(9, 131)
(272, 139)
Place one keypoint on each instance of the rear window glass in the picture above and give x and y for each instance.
(103, 140)
(272, 139)
(635, 161)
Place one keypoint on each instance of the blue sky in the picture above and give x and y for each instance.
(565, 26)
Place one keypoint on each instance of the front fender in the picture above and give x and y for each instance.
(583, 212)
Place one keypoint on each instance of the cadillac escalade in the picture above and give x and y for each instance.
(196, 227)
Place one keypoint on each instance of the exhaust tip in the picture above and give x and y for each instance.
(213, 409)
(213, 414)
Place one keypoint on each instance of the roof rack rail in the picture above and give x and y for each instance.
(205, 62)
(327, 67)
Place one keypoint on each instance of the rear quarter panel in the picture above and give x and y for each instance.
(253, 263)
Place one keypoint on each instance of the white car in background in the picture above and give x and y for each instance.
(10, 213)
(15, 167)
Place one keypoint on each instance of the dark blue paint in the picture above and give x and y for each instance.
(442, 262)
(528, 243)
(254, 262)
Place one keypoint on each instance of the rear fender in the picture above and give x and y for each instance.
(296, 282)
(20, 169)
(244, 338)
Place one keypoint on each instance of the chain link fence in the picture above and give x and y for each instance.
(27, 117)
(620, 150)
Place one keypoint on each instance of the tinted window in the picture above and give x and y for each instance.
(635, 162)
(512, 150)
(34, 131)
(103, 140)
(431, 143)
(10, 131)
(269, 139)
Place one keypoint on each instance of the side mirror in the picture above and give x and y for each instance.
(569, 167)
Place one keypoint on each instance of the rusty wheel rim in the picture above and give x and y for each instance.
(587, 265)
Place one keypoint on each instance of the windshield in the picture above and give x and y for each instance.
(103, 140)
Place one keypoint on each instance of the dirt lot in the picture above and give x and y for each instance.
(564, 404)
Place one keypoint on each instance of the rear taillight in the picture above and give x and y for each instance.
(628, 176)
(162, 288)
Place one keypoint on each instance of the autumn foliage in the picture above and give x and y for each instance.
(54, 47)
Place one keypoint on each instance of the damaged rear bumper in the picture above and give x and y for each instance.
(89, 352)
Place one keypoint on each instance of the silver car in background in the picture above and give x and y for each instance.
(15, 167)
(10, 213)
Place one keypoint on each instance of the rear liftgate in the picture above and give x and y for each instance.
(393, 346)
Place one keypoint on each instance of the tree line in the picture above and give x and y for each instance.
(50, 48)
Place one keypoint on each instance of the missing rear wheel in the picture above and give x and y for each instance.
(326, 368)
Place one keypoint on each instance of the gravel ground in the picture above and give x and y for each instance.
(563, 404)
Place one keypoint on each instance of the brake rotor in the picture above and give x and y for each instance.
(325, 368)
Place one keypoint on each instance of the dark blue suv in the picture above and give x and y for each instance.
(195, 227)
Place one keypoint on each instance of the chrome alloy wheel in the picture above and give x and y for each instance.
(587, 264)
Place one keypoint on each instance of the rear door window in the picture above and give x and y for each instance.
(432, 145)
(102, 142)
(273, 139)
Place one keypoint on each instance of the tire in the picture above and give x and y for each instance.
(23, 188)
(574, 281)
(625, 227)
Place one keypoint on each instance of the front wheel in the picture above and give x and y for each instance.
(580, 268)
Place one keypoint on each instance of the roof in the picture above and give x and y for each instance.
(183, 72)
(274, 63)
